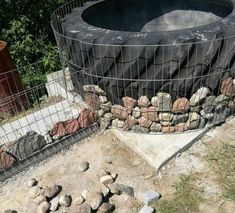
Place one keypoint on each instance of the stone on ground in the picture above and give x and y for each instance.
(150, 197)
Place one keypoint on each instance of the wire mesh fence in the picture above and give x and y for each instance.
(171, 84)
(37, 122)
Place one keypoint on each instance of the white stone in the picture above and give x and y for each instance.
(154, 101)
(118, 123)
(103, 99)
(136, 112)
(150, 197)
(65, 200)
(199, 95)
(78, 200)
(43, 207)
(106, 179)
(146, 209)
(54, 204)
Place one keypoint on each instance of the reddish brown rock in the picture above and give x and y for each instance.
(120, 112)
(145, 122)
(58, 130)
(129, 103)
(168, 129)
(227, 87)
(87, 117)
(92, 100)
(181, 127)
(130, 122)
(71, 126)
(6, 160)
(150, 113)
(181, 105)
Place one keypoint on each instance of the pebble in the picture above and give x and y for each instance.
(125, 189)
(39, 199)
(94, 199)
(43, 207)
(65, 200)
(106, 207)
(78, 200)
(83, 166)
(103, 99)
(34, 192)
(31, 182)
(105, 190)
(54, 204)
(51, 191)
(106, 179)
(84, 208)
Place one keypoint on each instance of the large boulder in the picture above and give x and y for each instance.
(26, 145)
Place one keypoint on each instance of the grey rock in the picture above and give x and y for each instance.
(136, 113)
(155, 127)
(108, 117)
(146, 209)
(93, 89)
(221, 98)
(202, 123)
(150, 197)
(207, 116)
(83, 166)
(125, 189)
(164, 102)
(221, 107)
(199, 96)
(54, 204)
(196, 109)
(65, 200)
(106, 106)
(27, 145)
(221, 117)
(209, 104)
(94, 199)
(140, 129)
(118, 123)
(180, 118)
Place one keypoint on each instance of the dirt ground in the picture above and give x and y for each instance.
(104, 151)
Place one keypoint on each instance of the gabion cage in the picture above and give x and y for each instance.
(51, 119)
(151, 80)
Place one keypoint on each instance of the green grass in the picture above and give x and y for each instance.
(222, 160)
(185, 199)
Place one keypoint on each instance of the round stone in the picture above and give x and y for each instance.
(106, 207)
(84, 208)
(54, 204)
(94, 199)
(31, 182)
(51, 191)
(43, 207)
(78, 200)
(83, 166)
(65, 200)
(34, 191)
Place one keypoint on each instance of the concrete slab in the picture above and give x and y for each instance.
(158, 149)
